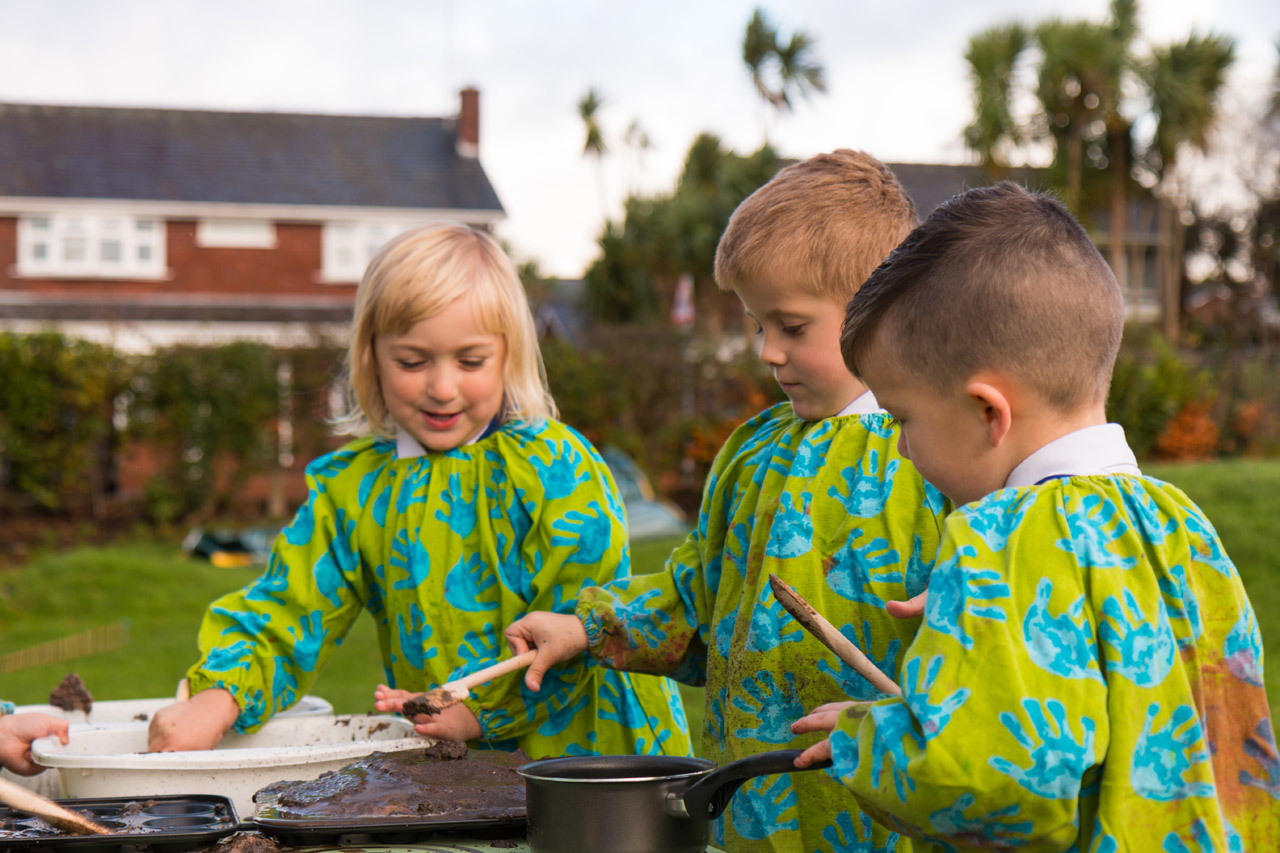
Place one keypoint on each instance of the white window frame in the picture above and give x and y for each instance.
(46, 241)
(236, 234)
(348, 246)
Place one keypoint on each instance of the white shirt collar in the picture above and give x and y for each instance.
(1100, 449)
(407, 447)
(864, 404)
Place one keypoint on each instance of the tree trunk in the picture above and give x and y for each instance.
(1119, 182)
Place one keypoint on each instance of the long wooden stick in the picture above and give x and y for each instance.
(436, 700)
(28, 801)
(816, 624)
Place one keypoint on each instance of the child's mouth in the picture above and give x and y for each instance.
(440, 420)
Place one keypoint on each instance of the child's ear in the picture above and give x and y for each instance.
(994, 406)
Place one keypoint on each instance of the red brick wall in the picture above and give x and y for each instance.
(292, 267)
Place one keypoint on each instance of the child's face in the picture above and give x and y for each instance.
(799, 340)
(442, 379)
(944, 435)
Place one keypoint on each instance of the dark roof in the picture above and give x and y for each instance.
(930, 184)
(246, 158)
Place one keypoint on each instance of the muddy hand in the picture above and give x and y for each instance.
(558, 637)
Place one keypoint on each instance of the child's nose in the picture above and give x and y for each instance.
(770, 353)
(442, 386)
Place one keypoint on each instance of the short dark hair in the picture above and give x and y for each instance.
(997, 278)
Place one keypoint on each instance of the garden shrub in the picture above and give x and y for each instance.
(56, 406)
(1151, 384)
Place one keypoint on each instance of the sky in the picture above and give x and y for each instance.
(897, 83)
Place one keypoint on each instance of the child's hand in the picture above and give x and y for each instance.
(456, 722)
(820, 719)
(820, 751)
(390, 699)
(198, 723)
(558, 637)
(16, 733)
(909, 609)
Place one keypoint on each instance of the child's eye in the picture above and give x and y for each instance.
(472, 363)
(408, 364)
(793, 331)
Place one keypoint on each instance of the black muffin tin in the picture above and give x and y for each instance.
(152, 823)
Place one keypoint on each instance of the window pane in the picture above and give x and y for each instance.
(40, 222)
(111, 251)
(40, 251)
(144, 253)
(73, 248)
(144, 225)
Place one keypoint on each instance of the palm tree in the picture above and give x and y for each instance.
(992, 55)
(780, 71)
(595, 145)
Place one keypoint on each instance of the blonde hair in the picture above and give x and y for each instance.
(415, 276)
(997, 278)
(822, 224)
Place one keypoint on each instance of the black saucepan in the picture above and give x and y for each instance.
(635, 803)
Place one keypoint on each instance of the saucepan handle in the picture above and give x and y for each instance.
(707, 798)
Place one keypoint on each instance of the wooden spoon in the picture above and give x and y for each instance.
(816, 624)
(28, 801)
(437, 699)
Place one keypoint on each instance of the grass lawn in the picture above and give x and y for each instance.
(163, 596)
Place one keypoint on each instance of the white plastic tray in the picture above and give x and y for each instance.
(140, 710)
(113, 761)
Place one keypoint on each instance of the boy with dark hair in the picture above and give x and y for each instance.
(812, 489)
(1089, 674)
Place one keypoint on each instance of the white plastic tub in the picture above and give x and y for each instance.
(140, 710)
(113, 761)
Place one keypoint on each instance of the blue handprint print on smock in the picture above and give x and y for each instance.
(868, 490)
(955, 590)
(308, 639)
(1093, 528)
(1064, 644)
(646, 620)
(771, 457)
(1203, 840)
(1059, 762)
(477, 651)
(381, 503)
(771, 624)
(560, 477)
(326, 468)
(791, 533)
(1163, 756)
(1242, 649)
(340, 558)
(1139, 650)
(844, 837)
(274, 580)
(775, 706)
(414, 636)
(997, 516)
(894, 724)
(758, 807)
(243, 621)
(1151, 524)
(461, 517)
(850, 680)
(284, 686)
(1181, 602)
(812, 453)
(993, 826)
(933, 718)
(235, 656)
(415, 484)
(467, 582)
(850, 574)
(1210, 552)
(411, 557)
(1261, 747)
(589, 534)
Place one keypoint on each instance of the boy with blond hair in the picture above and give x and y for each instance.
(1089, 674)
(812, 489)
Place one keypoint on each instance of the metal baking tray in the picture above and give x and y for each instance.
(384, 830)
(167, 823)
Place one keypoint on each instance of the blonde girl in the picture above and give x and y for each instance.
(462, 506)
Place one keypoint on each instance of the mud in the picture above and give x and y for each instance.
(71, 695)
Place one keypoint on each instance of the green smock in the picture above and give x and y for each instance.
(1088, 678)
(833, 509)
(445, 550)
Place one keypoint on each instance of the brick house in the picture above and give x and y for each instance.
(144, 227)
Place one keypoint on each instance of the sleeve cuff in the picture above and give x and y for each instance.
(7, 708)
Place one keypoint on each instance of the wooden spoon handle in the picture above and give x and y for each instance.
(816, 624)
(28, 801)
(489, 673)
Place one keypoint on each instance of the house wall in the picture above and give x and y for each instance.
(291, 268)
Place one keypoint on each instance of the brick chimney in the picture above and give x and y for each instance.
(469, 123)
